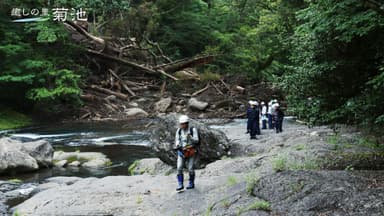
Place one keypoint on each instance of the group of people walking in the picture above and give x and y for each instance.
(270, 114)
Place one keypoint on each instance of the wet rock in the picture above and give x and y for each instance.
(74, 163)
(16, 156)
(61, 163)
(214, 143)
(163, 104)
(135, 112)
(13, 193)
(17, 161)
(84, 159)
(195, 104)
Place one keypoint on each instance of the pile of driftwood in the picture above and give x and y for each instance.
(128, 67)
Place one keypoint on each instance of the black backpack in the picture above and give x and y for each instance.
(191, 132)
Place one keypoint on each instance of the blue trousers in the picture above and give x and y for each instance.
(270, 125)
(264, 124)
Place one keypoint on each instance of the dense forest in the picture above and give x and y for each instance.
(327, 56)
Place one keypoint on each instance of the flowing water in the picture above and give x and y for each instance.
(121, 142)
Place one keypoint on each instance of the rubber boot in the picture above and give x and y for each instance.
(180, 181)
(191, 184)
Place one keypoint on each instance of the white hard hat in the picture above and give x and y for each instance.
(262, 103)
(250, 102)
(256, 103)
(276, 105)
(275, 100)
(183, 119)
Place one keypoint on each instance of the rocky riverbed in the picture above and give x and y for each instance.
(292, 173)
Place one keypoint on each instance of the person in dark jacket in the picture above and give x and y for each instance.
(253, 119)
(279, 117)
(248, 122)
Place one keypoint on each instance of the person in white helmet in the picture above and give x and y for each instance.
(271, 111)
(264, 116)
(186, 140)
(279, 117)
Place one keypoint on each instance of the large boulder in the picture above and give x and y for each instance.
(41, 151)
(195, 104)
(163, 104)
(16, 156)
(214, 143)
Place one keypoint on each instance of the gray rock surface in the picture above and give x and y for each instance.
(41, 151)
(321, 193)
(151, 166)
(214, 143)
(13, 193)
(16, 156)
(163, 104)
(195, 104)
(229, 186)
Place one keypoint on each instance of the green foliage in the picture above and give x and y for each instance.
(231, 180)
(260, 205)
(337, 73)
(305, 164)
(132, 167)
(300, 147)
(38, 60)
(279, 163)
(252, 180)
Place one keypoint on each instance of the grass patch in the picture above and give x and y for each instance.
(10, 119)
(139, 200)
(231, 180)
(279, 163)
(335, 141)
(16, 213)
(257, 205)
(299, 147)
(226, 203)
(208, 212)
(297, 186)
(260, 205)
(306, 164)
(252, 180)
(132, 167)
